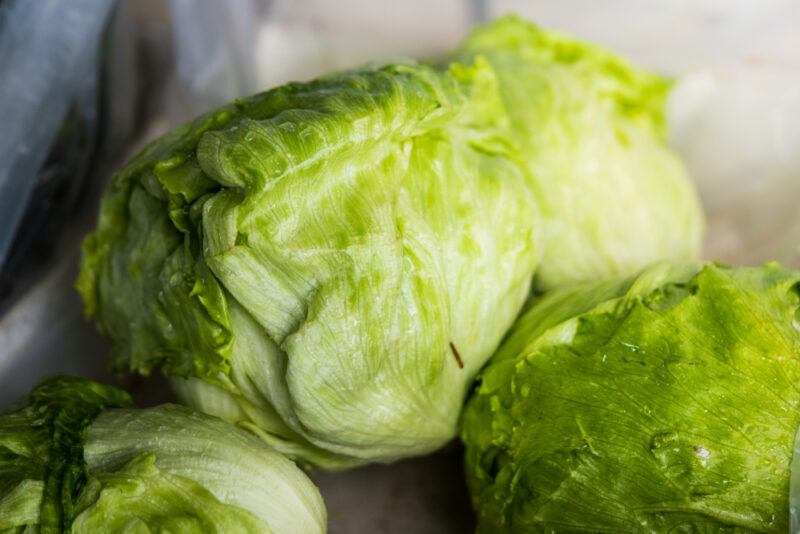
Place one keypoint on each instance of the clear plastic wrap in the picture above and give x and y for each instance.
(48, 64)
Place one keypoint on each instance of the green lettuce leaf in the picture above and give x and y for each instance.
(140, 498)
(667, 402)
(591, 130)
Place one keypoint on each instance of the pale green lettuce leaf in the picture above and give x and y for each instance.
(591, 130)
(139, 498)
(668, 404)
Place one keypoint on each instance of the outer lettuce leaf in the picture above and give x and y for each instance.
(591, 131)
(666, 405)
(41, 442)
(69, 463)
(312, 259)
(140, 498)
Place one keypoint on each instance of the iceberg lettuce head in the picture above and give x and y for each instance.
(591, 131)
(74, 458)
(328, 263)
(664, 402)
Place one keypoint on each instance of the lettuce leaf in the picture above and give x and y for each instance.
(42, 469)
(667, 404)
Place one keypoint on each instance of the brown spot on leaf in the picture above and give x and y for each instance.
(456, 355)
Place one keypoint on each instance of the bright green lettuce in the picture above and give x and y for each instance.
(667, 402)
(591, 130)
(72, 460)
(330, 263)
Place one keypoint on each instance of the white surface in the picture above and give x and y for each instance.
(301, 40)
(734, 112)
(675, 36)
(737, 130)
